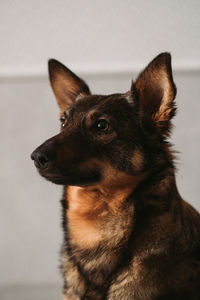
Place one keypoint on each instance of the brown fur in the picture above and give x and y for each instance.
(128, 234)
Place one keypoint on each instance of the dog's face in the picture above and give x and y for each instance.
(113, 135)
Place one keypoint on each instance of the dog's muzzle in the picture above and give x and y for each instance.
(44, 154)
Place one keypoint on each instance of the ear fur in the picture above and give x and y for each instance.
(65, 84)
(155, 90)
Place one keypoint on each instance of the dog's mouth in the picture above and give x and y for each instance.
(54, 178)
(67, 172)
(71, 177)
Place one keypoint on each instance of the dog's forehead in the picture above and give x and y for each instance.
(85, 103)
(99, 102)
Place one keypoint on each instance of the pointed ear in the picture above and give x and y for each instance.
(155, 90)
(65, 84)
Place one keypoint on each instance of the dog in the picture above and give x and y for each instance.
(128, 234)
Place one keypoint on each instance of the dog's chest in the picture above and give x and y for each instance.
(83, 216)
(94, 218)
(97, 232)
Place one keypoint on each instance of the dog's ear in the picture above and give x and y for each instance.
(155, 91)
(65, 84)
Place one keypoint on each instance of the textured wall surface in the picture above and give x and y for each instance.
(107, 42)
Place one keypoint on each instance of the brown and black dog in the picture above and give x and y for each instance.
(128, 234)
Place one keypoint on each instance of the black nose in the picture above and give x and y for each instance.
(41, 160)
(45, 154)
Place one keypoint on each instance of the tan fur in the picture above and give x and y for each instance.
(70, 88)
(168, 96)
(88, 206)
(88, 120)
(157, 91)
(70, 298)
(82, 226)
(65, 84)
(137, 160)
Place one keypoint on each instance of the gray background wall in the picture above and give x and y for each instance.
(106, 42)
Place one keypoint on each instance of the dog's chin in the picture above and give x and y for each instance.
(79, 179)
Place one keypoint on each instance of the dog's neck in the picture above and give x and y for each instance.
(88, 207)
(104, 218)
(108, 194)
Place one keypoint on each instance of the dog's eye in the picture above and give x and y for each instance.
(62, 119)
(102, 125)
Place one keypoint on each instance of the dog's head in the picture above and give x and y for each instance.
(118, 135)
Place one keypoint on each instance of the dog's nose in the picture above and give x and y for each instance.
(41, 160)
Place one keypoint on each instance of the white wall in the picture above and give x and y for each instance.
(106, 42)
(90, 34)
